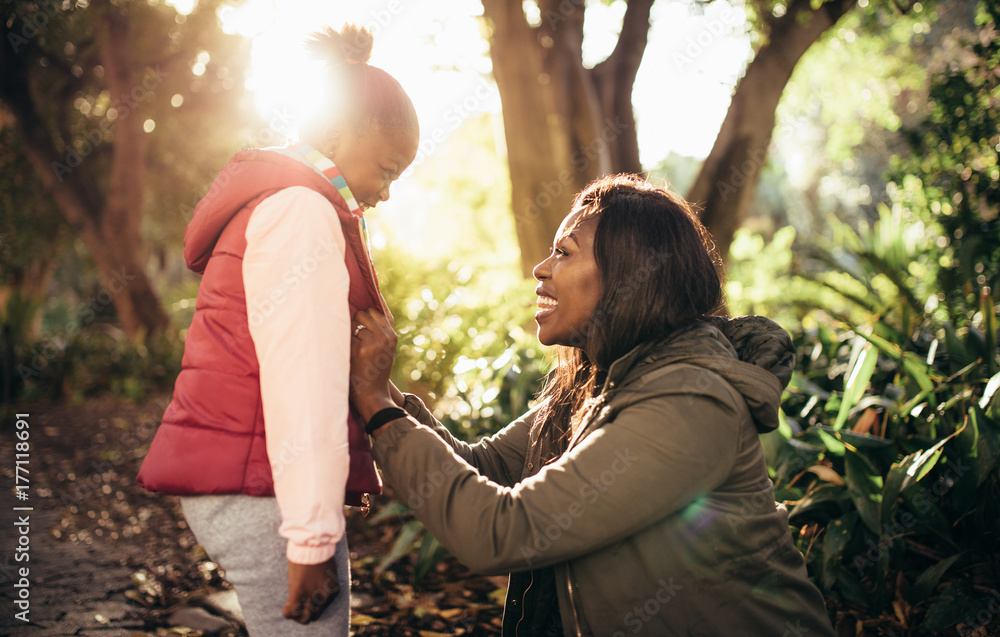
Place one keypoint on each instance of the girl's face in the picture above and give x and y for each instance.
(569, 284)
(372, 160)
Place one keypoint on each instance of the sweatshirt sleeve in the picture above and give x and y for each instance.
(499, 457)
(297, 285)
(656, 457)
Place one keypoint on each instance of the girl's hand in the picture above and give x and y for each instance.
(311, 588)
(373, 349)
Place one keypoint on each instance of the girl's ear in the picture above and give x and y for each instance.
(330, 140)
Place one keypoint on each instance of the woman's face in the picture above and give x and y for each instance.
(372, 160)
(569, 284)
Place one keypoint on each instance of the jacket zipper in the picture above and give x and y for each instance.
(524, 596)
(572, 602)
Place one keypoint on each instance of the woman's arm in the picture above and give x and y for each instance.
(373, 348)
(652, 460)
(499, 457)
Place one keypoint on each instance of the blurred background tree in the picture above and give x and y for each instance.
(567, 124)
(82, 87)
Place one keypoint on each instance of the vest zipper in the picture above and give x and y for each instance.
(366, 247)
(572, 602)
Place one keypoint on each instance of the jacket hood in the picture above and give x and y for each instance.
(752, 353)
(252, 174)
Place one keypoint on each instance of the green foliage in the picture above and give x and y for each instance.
(900, 480)
(892, 448)
(81, 353)
(181, 80)
(955, 150)
(29, 220)
(31, 232)
(413, 539)
(94, 361)
(871, 52)
(839, 118)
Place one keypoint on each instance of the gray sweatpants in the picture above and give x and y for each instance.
(240, 533)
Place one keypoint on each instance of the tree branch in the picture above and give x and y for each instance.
(726, 181)
(614, 79)
(628, 51)
(562, 21)
(507, 18)
(76, 195)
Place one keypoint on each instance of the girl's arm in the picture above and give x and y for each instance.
(296, 286)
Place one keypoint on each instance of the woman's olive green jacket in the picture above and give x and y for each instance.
(658, 520)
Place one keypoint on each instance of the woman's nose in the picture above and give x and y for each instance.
(541, 271)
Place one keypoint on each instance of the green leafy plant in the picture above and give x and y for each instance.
(890, 449)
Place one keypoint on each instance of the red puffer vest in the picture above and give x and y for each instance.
(211, 439)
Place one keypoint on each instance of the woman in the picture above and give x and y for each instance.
(635, 498)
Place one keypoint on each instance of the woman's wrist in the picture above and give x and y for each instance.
(371, 405)
(376, 425)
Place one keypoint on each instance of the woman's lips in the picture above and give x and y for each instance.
(546, 305)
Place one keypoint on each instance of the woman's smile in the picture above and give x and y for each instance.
(546, 305)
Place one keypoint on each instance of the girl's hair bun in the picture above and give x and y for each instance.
(351, 45)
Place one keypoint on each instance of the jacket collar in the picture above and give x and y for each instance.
(637, 360)
(753, 354)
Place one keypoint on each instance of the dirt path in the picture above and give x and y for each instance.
(89, 531)
(75, 588)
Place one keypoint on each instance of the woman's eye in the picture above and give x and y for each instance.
(559, 252)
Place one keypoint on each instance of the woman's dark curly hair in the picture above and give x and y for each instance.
(659, 272)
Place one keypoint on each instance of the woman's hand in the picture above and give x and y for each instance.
(373, 348)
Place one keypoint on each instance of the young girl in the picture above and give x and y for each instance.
(260, 437)
(634, 500)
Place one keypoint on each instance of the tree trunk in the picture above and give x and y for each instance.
(23, 296)
(108, 224)
(725, 185)
(564, 124)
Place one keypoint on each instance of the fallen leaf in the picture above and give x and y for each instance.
(900, 613)
(360, 619)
